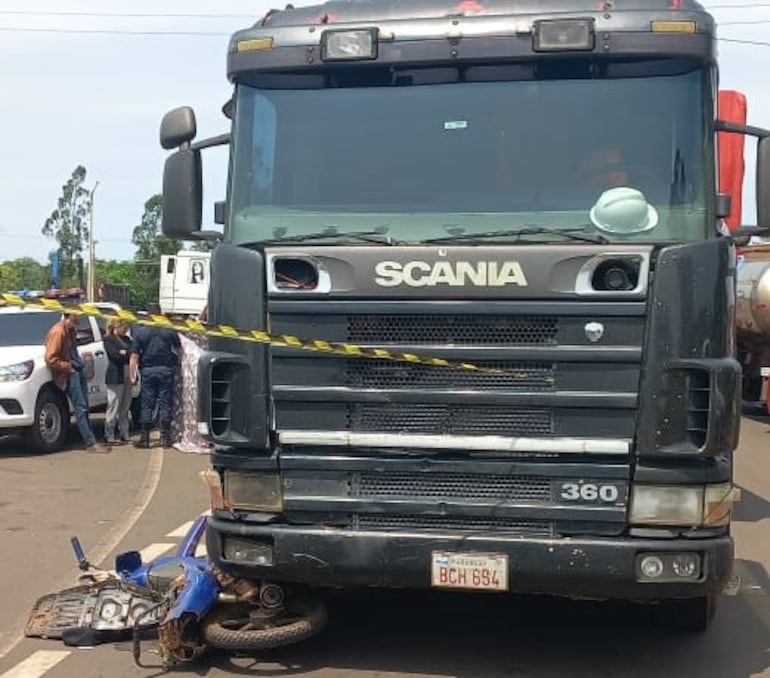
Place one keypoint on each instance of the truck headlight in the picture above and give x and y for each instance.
(253, 491)
(246, 551)
(17, 371)
(707, 505)
(349, 45)
(555, 35)
(666, 505)
(718, 504)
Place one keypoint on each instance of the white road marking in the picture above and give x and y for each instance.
(36, 664)
(182, 530)
(154, 550)
(111, 541)
(142, 501)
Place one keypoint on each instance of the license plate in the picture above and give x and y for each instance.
(485, 571)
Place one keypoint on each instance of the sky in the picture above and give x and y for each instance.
(86, 83)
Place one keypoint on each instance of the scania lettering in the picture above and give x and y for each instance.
(423, 274)
(542, 188)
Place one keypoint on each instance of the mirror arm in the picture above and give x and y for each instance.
(743, 234)
(759, 132)
(207, 236)
(220, 140)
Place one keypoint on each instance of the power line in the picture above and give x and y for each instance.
(750, 5)
(759, 43)
(743, 23)
(129, 15)
(255, 17)
(106, 31)
(109, 31)
(194, 15)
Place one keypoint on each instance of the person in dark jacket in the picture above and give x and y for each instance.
(156, 351)
(118, 348)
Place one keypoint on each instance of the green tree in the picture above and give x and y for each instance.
(24, 273)
(68, 223)
(118, 272)
(203, 245)
(148, 238)
(150, 245)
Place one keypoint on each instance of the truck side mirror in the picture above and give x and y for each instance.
(763, 182)
(177, 127)
(182, 194)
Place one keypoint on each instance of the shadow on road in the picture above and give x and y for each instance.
(751, 508)
(13, 447)
(428, 634)
(755, 411)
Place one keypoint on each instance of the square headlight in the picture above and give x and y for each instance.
(349, 45)
(253, 491)
(666, 505)
(563, 35)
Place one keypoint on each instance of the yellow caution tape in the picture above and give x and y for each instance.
(256, 336)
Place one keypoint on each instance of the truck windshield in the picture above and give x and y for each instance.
(628, 157)
(25, 329)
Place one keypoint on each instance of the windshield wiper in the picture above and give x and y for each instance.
(580, 233)
(378, 237)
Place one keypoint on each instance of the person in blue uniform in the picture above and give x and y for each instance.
(156, 352)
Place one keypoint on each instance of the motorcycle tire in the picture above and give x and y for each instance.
(303, 620)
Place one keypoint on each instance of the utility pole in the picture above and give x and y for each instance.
(91, 285)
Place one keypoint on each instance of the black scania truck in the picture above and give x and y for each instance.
(527, 186)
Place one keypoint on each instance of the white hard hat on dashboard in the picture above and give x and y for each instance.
(623, 210)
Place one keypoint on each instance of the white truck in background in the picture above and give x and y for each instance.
(184, 282)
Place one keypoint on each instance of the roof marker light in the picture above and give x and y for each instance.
(563, 35)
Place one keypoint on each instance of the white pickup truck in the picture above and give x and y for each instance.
(30, 404)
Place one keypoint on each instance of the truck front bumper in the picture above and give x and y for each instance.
(577, 567)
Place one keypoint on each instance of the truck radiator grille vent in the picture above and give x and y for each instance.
(698, 403)
(450, 486)
(481, 330)
(221, 398)
(393, 375)
(466, 524)
(449, 419)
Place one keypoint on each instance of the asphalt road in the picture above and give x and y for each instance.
(142, 500)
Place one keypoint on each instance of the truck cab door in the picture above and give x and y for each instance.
(91, 350)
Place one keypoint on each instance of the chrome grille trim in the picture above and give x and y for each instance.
(609, 446)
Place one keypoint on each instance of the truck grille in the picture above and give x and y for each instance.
(480, 330)
(449, 419)
(452, 486)
(532, 528)
(392, 375)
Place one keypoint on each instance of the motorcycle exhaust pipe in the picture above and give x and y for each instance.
(271, 596)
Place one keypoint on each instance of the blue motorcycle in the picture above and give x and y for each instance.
(191, 605)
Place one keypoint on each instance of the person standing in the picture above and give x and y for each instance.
(118, 348)
(61, 355)
(156, 352)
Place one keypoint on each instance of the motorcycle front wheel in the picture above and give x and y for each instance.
(244, 627)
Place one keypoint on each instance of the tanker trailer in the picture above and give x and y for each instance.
(752, 319)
